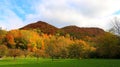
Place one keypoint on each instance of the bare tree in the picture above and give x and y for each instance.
(116, 26)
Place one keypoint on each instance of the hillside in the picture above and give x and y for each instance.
(77, 32)
(43, 26)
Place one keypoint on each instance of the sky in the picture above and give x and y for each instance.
(83, 13)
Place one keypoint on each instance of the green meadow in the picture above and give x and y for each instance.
(32, 62)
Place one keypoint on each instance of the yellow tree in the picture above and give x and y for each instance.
(32, 39)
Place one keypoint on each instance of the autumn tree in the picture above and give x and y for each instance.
(108, 46)
(14, 53)
(32, 39)
(56, 46)
(10, 40)
(25, 53)
(23, 39)
(64, 53)
(51, 48)
(14, 39)
(3, 50)
(80, 49)
(38, 31)
(39, 53)
(2, 36)
(63, 43)
(74, 51)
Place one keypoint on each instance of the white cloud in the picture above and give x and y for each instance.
(9, 19)
(90, 13)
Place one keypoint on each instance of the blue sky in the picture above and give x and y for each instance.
(84, 13)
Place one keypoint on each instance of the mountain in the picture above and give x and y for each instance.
(43, 26)
(80, 32)
(74, 31)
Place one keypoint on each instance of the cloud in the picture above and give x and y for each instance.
(83, 13)
(78, 12)
(9, 19)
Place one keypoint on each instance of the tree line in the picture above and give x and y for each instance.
(34, 43)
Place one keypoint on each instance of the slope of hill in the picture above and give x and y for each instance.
(79, 32)
(43, 26)
(74, 31)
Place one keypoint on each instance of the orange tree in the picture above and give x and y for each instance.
(23, 39)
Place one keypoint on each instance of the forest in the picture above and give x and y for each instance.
(36, 43)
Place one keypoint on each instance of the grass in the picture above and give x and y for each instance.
(32, 62)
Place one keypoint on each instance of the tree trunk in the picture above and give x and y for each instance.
(37, 59)
(14, 58)
(52, 58)
(1, 58)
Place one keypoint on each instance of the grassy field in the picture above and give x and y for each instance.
(32, 62)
